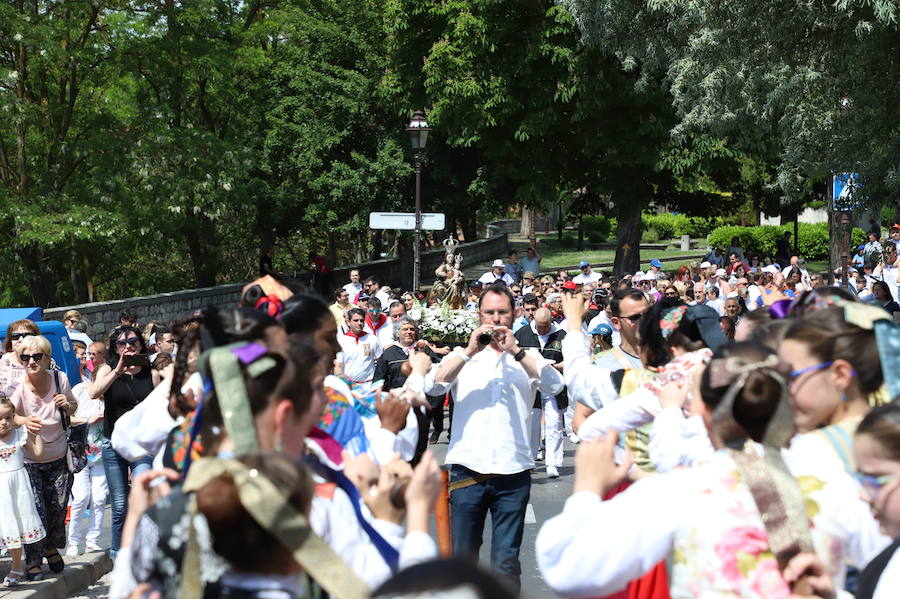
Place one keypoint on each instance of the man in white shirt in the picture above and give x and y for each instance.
(354, 286)
(359, 348)
(589, 384)
(493, 382)
(378, 324)
(586, 275)
(496, 275)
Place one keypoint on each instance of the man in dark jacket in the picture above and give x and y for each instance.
(390, 369)
(545, 335)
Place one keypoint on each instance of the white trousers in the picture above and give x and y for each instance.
(553, 431)
(88, 488)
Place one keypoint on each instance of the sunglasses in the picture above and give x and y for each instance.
(671, 294)
(873, 484)
(129, 341)
(17, 336)
(26, 358)
(633, 317)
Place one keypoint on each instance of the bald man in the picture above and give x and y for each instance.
(547, 337)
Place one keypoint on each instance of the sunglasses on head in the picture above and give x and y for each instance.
(129, 341)
(26, 358)
(17, 336)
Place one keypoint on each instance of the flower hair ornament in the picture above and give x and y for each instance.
(669, 322)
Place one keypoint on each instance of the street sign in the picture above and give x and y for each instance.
(846, 191)
(406, 221)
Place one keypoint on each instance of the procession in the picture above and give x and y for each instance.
(450, 299)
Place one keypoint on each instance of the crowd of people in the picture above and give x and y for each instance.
(735, 429)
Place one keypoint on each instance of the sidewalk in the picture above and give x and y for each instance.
(80, 572)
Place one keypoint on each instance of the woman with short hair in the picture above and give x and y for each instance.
(40, 402)
(12, 371)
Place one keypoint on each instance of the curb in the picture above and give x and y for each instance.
(80, 573)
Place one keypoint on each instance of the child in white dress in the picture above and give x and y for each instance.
(20, 523)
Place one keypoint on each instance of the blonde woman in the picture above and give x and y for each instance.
(40, 401)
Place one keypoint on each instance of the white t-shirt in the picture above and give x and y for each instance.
(358, 355)
(581, 278)
(489, 278)
(353, 289)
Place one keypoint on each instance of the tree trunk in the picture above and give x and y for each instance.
(628, 233)
(580, 233)
(203, 249)
(527, 227)
(41, 280)
(376, 245)
(469, 227)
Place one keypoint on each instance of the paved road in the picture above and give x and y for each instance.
(547, 499)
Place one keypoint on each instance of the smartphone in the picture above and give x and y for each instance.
(136, 360)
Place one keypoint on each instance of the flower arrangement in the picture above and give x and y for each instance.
(442, 323)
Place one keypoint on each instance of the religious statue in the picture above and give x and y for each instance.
(450, 286)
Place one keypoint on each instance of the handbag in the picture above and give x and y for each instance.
(76, 438)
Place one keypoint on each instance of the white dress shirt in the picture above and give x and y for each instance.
(493, 396)
(358, 355)
(586, 383)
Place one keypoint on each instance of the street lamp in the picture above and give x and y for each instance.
(418, 130)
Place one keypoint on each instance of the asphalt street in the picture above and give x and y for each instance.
(547, 499)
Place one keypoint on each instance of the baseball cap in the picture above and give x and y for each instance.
(528, 275)
(602, 329)
(772, 269)
(583, 263)
(655, 262)
(649, 277)
(569, 285)
(705, 264)
(860, 247)
(720, 272)
(638, 275)
(497, 262)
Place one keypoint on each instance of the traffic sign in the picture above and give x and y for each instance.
(406, 221)
(846, 190)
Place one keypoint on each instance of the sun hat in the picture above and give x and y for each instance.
(705, 264)
(496, 263)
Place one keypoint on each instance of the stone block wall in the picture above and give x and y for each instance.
(167, 307)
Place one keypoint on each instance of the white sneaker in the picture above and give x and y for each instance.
(540, 456)
(92, 547)
(552, 472)
(72, 550)
(574, 438)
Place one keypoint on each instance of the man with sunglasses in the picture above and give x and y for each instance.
(589, 384)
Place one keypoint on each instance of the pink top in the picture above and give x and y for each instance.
(52, 433)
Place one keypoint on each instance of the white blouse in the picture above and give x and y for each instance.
(704, 522)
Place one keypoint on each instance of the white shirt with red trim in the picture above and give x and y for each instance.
(358, 355)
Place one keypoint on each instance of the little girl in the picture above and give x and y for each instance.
(20, 523)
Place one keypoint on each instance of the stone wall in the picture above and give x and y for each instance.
(513, 226)
(167, 307)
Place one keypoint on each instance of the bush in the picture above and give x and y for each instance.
(649, 235)
(812, 242)
(596, 228)
(673, 226)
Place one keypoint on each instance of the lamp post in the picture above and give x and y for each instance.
(418, 130)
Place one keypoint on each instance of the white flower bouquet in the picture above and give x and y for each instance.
(443, 324)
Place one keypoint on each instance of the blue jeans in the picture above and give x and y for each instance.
(506, 497)
(116, 468)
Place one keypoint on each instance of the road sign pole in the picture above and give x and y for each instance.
(416, 241)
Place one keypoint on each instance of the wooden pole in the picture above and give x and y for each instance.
(442, 516)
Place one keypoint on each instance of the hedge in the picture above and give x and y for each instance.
(812, 239)
(673, 226)
(597, 228)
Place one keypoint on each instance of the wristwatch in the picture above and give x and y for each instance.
(519, 356)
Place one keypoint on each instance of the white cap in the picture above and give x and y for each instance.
(720, 272)
(732, 294)
(497, 262)
(705, 264)
(772, 269)
(649, 277)
(638, 276)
